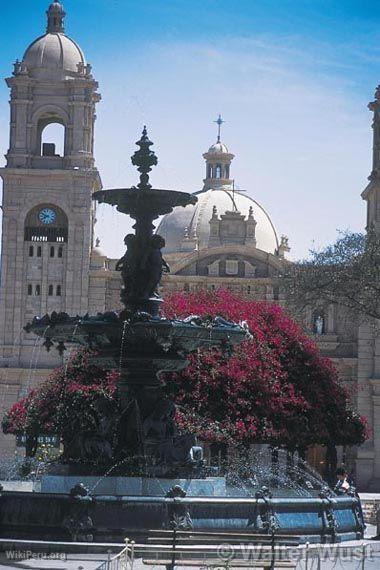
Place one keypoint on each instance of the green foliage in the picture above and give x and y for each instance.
(346, 273)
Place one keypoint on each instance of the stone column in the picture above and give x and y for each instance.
(375, 482)
(366, 453)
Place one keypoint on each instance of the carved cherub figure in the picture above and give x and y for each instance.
(127, 264)
(153, 265)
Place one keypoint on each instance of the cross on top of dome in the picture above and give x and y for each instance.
(219, 122)
(55, 18)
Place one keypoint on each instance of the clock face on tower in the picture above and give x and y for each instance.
(47, 216)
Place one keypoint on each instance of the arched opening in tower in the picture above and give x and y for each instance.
(53, 140)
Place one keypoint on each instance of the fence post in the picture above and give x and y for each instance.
(132, 553)
(363, 555)
(307, 557)
(108, 560)
(319, 561)
(126, 541)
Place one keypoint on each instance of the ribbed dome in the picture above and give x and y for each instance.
(218, 148)
(52, 53)
(196, 219)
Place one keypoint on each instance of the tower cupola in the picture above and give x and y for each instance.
(218, 163)
(55, 18)
(53, 99)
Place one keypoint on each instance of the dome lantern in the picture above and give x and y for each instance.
(55, 19)
(218, 163)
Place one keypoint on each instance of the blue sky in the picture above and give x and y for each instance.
(292, 80)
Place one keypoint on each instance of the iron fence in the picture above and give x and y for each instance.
(122, 561)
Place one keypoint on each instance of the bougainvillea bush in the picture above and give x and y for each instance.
(275, 388)
(67, 403)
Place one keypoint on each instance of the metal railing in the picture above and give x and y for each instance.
(303, 557)
(122, 561)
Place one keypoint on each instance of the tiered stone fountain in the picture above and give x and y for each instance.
(140, 344)
(151, 472)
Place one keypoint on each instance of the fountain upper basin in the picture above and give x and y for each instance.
(120, 339)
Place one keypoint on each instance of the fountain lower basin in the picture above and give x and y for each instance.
(32, 515)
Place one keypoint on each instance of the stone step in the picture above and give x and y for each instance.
(216, 533)
(220, 564)
(218, 540)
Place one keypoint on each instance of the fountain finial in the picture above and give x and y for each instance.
(144, 159)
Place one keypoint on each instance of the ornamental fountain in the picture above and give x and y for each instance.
(151, 474)
(138, 341)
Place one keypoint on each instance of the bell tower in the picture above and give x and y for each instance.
(48, 182)
(372, 192)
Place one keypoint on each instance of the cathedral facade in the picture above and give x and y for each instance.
(51, 260)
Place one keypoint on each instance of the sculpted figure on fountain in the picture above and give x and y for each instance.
(141, 267)
(153, 266)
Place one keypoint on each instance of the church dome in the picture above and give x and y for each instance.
(195, 220)
(188, 228)
(54, 52)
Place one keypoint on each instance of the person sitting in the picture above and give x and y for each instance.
(344, 482)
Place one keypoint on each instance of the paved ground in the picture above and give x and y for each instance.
(346, 560)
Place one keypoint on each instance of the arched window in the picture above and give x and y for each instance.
(60, 252)
(59, 291)
(218, 171)
(31, 251)
(52, 252)
(39, 251)
(50, 290)
(30, 289)
(37, 290)
(52, 138)
(249, 289)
